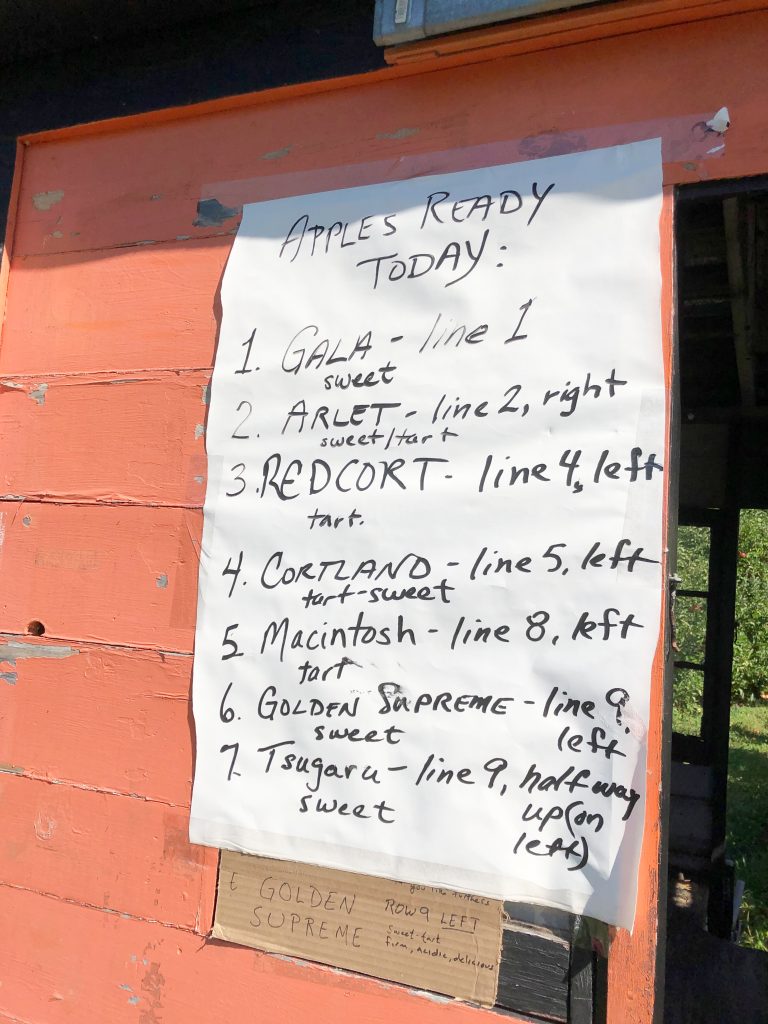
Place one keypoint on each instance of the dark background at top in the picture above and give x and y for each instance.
(66, 62)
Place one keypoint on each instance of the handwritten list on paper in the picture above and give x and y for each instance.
(430, 585)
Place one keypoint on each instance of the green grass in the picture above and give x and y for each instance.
(748, 817)
(747, 812)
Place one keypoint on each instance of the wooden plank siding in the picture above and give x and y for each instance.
(75, 844)
(112, 719)
(97, 572)
(70, 314)
(107, 343)
(90, 191)
(68, 962)
(135, 439)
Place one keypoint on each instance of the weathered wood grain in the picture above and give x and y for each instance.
(106, 717)
(116, 853)
(107, 574)
(581, 988)
(533, 975)
(138, 308)
(70, 963)
(105, 438)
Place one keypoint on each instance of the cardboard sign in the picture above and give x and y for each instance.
(422, 936)
(431, 575)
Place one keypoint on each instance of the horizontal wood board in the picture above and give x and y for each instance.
(101, 191)
(96, 312)
(70, 963)
(109, 573)
(113, 719)
(97, 438)
(117, 853)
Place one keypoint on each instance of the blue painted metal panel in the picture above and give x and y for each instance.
(403, 21)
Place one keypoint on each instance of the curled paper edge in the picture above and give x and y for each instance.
(719, 122)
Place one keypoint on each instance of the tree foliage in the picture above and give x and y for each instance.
(750, 652)
(750, 655)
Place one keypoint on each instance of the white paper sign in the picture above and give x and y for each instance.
(431, 575)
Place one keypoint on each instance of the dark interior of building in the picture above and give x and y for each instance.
(722, 294)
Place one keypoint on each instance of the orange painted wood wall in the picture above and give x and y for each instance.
(108, 339)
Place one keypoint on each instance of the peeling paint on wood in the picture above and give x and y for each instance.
(45, 200)
(277, 154)
(12, 651)
(211, 213)
(37, 394)
(141, 747)
(401, 133)
(45, 827)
